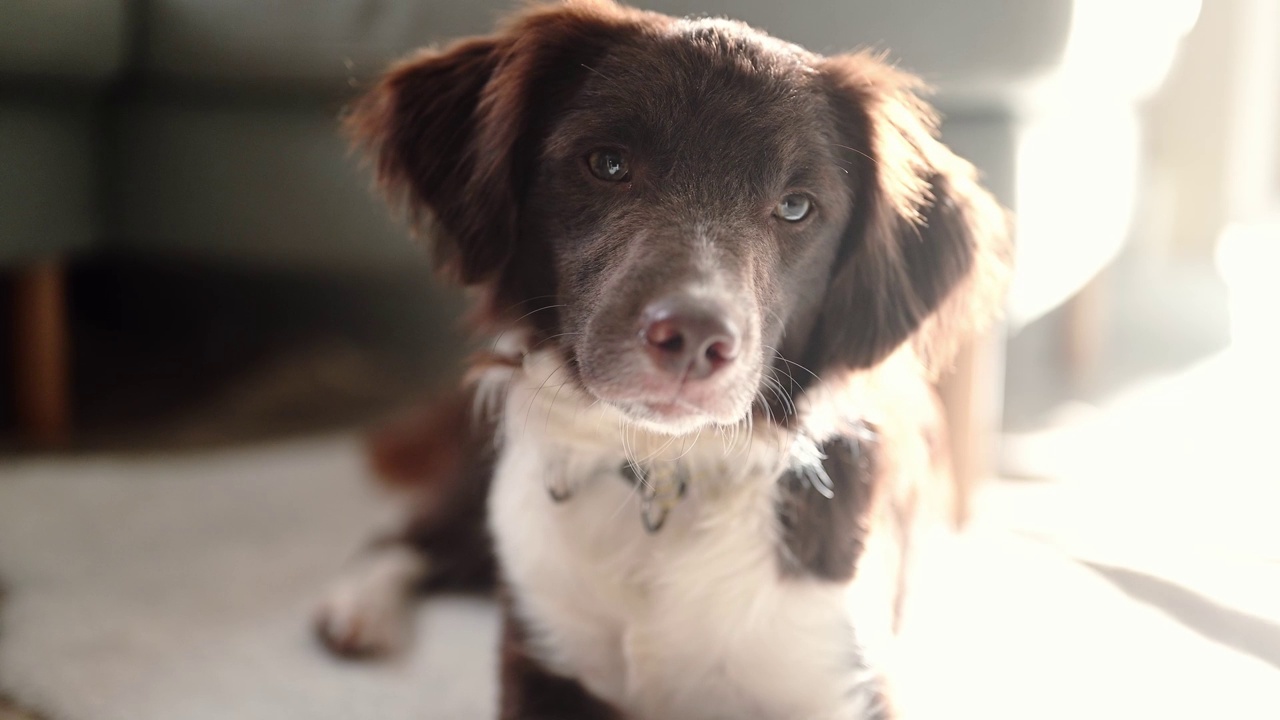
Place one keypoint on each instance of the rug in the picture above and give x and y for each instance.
(179, 587)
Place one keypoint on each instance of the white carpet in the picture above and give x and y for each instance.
(176, 588)
(180, 587)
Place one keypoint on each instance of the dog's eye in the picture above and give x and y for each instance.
(793, 208)
(609, 165)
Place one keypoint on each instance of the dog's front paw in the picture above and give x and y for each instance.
(366, 612)
(353, 621)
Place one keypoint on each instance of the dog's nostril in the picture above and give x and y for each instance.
(664, 335)
(721, 351)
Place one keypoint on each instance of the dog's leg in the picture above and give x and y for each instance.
(444, 460)
(365, 612)
(529, 692)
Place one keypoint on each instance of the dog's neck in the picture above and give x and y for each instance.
(531, 394)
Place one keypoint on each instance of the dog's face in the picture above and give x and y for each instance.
(701, 217)
(691, 202)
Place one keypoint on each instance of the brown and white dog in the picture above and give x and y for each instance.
(719, 270)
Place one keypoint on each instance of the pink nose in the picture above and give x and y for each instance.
(684, 337)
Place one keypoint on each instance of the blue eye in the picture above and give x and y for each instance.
(793, 208)
(609, 165)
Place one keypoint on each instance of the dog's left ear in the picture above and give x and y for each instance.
(926, 251)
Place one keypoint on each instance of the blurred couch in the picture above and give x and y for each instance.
(197, 128)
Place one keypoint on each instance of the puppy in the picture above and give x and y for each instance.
(718, 271)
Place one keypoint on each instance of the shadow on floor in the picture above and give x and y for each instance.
(1241, 631)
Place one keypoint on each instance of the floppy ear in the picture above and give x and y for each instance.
(927, 249)
(453, 133)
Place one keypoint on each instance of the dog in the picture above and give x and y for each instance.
(719, 273)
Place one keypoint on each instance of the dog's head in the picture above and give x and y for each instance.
(689, 209)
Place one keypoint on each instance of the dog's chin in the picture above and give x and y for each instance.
(675, 417)
(652, 403)
(671, 418)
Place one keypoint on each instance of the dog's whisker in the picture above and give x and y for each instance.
(512, 325)
(517, 303)
(788, 404)
(515, 323)
(793, 386)
(768, 410)
(786, 395)
(856, 150)
(635, 471)
(729, 437)
(725, 433)
(774, 386)
(552, 406)
(777, 316)
(628, 449)
(607, 79)
(533, 399)
(657, 452)
(548, 339)
(692, 445)
(794, 364)
(764, 400)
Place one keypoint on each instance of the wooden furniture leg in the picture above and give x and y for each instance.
(1085, 326)
(42, 361)
(972, 396)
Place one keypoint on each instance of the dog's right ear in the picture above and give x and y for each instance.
(418, 126)
(453, 133)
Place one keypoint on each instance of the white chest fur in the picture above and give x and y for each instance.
(693, 621)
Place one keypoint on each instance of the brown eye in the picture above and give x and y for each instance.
(793, 208)
(610, 165)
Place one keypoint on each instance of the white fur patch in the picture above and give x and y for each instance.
(365, 611)
(691, 622)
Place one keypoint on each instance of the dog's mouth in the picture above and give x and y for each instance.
(676, 408)
(675, 411)
(672, 417)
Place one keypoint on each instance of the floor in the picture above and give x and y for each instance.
(153, 586)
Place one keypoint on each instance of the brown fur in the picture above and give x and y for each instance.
(808, 502)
